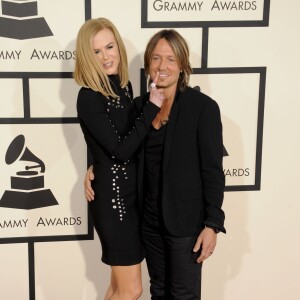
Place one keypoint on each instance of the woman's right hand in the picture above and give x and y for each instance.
(156, 95)
(89, 192)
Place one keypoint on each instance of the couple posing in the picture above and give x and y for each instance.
(155, 188)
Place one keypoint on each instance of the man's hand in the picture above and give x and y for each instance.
(207, 241)
(89, 176)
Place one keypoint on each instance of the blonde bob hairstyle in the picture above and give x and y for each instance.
(181, 51)
(89, 72)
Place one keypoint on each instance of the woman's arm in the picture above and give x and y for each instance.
(95, 119)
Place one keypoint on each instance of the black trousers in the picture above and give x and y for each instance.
(173, 270)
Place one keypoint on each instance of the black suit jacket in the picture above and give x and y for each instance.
(193, 177)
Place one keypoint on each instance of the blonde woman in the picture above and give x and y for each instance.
(114, 126)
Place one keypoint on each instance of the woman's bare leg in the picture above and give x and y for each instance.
(126, 282)
(111, 289)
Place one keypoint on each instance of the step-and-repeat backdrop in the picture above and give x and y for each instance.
(47, 241)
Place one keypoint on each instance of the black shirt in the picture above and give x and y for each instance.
(154, 147)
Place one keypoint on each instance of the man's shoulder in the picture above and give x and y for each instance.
(196, 97)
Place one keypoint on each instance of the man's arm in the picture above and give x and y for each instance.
(210, 143)
(206, 241)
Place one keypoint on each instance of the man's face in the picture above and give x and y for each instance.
(164, 61)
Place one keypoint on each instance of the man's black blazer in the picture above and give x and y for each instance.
(193, 177)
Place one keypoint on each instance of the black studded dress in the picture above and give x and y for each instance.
(114, 129)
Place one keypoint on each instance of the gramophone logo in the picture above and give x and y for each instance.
(20, 20)
(27, 187)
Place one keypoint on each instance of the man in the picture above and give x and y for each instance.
(180, 165)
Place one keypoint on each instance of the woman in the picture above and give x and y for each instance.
(113, 128)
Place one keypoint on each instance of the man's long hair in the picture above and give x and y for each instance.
(181, 51)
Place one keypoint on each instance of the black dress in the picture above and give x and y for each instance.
(114, 130)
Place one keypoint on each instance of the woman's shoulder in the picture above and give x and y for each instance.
(89, 93)
(84, 91)
(89, 98)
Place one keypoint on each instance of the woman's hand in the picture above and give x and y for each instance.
(156, 95)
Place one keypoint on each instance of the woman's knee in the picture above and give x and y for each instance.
(128, 282)
(134, 292)
(130, 293)
(138, 292)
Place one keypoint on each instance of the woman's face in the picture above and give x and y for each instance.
(164, 61)
(107, 51)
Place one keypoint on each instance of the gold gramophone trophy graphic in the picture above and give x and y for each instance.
(20, 20)
(27, 187)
